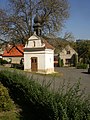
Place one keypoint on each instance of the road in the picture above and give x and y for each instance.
(63, 75)
(66, 75)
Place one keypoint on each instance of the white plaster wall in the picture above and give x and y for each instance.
(31, 43)
(27, 61)
(14, 59)
(40, 59)
(45, 60)
(49, 59)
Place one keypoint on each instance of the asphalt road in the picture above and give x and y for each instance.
(73, 75)
(63, 76)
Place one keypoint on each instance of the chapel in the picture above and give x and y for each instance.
(38, 53)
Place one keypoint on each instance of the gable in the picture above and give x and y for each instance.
(15, 51)
(37, 42)
(68, 50)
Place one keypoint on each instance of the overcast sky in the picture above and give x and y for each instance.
(79, 22)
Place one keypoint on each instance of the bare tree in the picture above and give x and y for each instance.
(17, 21)
(69, 36)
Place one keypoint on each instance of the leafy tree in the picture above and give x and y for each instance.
(83, 49)
(17, 21)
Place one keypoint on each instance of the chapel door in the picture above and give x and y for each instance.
(33, 63)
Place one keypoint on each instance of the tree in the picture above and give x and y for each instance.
(17, 21)
(69, 37)
(83, 49)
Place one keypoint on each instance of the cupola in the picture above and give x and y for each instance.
(37, 25)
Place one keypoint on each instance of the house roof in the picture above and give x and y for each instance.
(14, 51)
(47, 45)
(68, 48)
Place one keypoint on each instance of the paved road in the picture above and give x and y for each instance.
(66, 75)
(73, 75)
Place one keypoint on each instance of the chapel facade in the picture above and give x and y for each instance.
(38, 53)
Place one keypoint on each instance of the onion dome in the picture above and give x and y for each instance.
(37, 19)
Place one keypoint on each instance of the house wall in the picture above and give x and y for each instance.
(64, 55)
(15, 60)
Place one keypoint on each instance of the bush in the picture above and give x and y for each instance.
(46, 105)
(6, 103)
(3, 61)
(17, 66)
(81, 66)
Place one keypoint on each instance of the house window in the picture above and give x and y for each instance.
(68, 52)
(68, 61)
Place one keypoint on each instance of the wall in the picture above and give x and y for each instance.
(40, 58)
(45, 61)
(64, 55)
(14, 59)
(49, 60)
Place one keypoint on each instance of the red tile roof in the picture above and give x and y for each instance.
(14, 51)
(47, 45)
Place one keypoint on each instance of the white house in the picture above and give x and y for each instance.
(68, 54)
(38, 53)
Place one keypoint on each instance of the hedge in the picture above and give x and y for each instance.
(45, 104)
(81, 66)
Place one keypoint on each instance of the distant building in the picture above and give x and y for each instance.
(13, 53)
(68, 54)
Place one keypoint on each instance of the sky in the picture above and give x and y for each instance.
(79, 21)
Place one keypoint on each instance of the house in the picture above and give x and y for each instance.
(68, 55)
(38, 53)
(13, 53)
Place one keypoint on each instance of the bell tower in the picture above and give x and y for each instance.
(37, 25)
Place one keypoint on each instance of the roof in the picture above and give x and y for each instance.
(68, 48)
(47, 45)
(14, 51)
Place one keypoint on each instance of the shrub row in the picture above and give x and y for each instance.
(46, 105)
(3, 61)
(81, 66)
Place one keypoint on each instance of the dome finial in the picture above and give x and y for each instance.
(37, 23)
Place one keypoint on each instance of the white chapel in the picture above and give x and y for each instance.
(38, 53)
